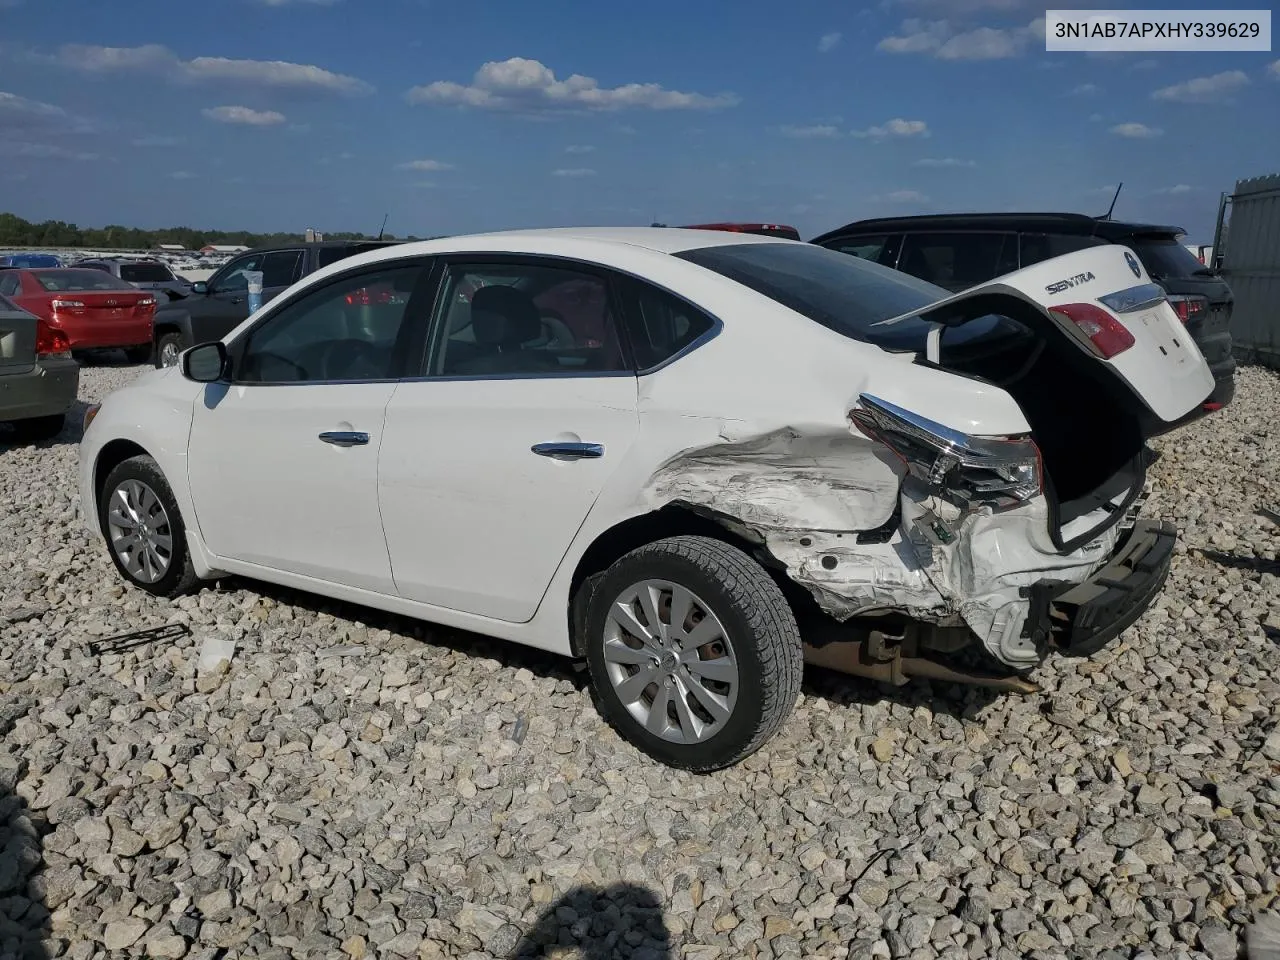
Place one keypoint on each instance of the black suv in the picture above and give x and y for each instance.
(217, 306)
(958, 251)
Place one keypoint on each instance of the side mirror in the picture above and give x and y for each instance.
(199, 287)
(205, 362)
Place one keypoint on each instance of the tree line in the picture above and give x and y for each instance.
(17, 232)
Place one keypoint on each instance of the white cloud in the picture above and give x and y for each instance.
(940, 162)
(574, 172)
(43, 151)
(425, 166)
(900, 196)
(529, 86)
(1177, 188)
(1214, 89)
(1145, 65)
(20, 113)
(817, 131)
(1135, 131)
(829, 41)
(940, 39)
(895, 128)
(182, 175)
(1274, 70)
(244, 116)
(1084, 90)
(579, 148)
(161, 61)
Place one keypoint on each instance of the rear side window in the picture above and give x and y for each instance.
(958, 261)
(145, 273)
(660, 325)
(9, 283)
(1037, 247)
(328, 255)
(105, 268)
(1166, 259)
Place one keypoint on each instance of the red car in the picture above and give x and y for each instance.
(94, 310)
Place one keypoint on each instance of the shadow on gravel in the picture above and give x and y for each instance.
(24, 920)
(596, 922)
(1253, 564)
(961, 701)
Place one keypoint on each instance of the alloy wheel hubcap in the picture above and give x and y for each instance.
(670, 661)
(169, 355)
(140, 532)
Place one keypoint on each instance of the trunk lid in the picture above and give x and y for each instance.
(1103, 301)
(104, 304)
(17, 339)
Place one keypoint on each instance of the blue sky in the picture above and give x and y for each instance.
(283, 114)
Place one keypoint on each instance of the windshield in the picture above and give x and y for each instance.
(1166, 259)
(843, 293)
(57, 281)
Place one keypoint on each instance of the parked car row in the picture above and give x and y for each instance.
(669, 452)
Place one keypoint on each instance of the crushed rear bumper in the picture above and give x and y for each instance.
(1080, 619)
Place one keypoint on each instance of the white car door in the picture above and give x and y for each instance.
(283, 459)
(491, 461)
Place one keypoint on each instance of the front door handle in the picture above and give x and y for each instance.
(569, 451)
(345, 438)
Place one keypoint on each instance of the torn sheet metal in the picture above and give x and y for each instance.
(806, 495)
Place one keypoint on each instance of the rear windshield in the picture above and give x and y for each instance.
(32, 260)
(1167, 259)
(59, 280)
(145, 272)
(843, 293)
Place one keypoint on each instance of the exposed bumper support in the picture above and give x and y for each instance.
(1081, 619)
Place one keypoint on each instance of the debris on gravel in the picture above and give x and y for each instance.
(354, 784)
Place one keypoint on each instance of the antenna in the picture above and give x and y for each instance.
(383, 229)
(1107, 216)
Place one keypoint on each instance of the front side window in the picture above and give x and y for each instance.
(878, 249)
(9, 283)
(853, 297)
(525, 320)
(351, 329)
(232, 278)
(56, 281)
(104, 267)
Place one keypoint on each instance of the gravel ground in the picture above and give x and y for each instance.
(363, 785)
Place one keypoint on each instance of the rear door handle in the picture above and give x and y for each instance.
(569, 451)
(345, 438)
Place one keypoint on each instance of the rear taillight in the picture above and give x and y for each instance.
(1189, 308)
(146, 302)
(61, 304)
(1106, 335)
(50, 341)
(997, 471)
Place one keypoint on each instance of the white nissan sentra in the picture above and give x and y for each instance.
(673, 453)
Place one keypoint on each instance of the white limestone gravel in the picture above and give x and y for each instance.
(361, 785)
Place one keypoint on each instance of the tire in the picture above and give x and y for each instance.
(39, 428)
(137, 477)
(753, 637)
(169, 344)
(139, 354)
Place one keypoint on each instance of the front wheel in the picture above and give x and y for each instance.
(694, 652)
(168, 347)
(143, 528)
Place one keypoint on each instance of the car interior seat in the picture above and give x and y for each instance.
(503, 320)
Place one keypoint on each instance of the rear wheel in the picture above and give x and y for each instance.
(39, 428)
(168, 347)
(143, 528)
(694, 653)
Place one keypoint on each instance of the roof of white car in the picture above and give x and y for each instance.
(660, 239)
